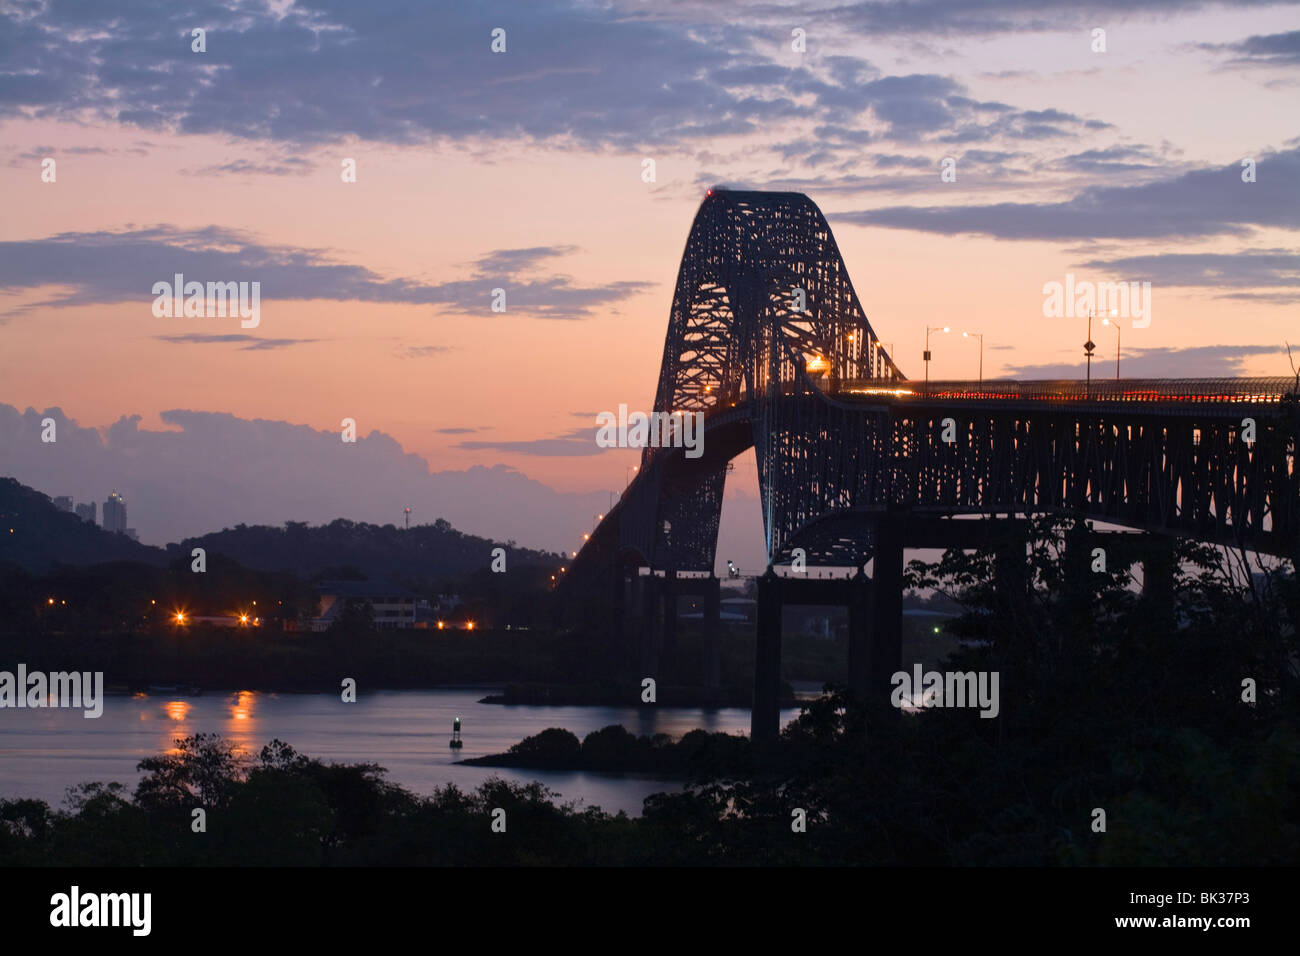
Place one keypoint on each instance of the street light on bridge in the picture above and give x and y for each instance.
(1118, 337)
(928, 330)
(980, 336)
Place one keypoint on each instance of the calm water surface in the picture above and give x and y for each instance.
(45, 751)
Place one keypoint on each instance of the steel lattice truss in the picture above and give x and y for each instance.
(841, 435)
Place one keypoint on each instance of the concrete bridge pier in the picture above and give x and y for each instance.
(619, 623)
(712, 636)
(860, 607)
(886, 643)
(765, 713)
(875, 628)
(647, 661)
(668, 593)
(1158, 566)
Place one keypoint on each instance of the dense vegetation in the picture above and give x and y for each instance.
(38, 537)
(1111, 699)
(698, 755)
(423, 556)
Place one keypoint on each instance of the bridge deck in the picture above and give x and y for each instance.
(1162, 391)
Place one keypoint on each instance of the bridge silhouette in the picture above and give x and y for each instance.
(768, 340)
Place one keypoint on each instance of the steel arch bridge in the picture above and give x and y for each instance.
(768, 339)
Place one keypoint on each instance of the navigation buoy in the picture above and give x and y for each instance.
(456, 742)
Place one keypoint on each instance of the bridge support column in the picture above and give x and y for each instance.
(886, 644)
(1010, 566)
(617, 658)
(860, 588)
(1158, 564)
(648, 645)
(1077, 598)
(765, 713)
(712, 637)
(668, 646)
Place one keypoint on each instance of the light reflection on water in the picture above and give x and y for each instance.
(44, 751)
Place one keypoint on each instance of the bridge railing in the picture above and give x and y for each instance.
(1270, 391)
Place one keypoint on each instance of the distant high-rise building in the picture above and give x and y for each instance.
(87, 512)
(132, 534)
(115, 513)
(63, 503)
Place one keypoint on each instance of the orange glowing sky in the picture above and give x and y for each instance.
(532, 150)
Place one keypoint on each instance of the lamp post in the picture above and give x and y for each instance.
(980, 336)
(1119, 335)
(1088, 346)
(627, 473)
(928, 330)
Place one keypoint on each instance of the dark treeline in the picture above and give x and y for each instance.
(134, 597)
(698, 755)
(1113, 700)
(37, 536)
(102, 581)
(422, 557)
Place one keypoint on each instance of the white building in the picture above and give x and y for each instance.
(391, 606)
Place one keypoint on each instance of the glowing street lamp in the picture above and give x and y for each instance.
(629, 472)
(980, 336)
(928, 330)
(1118, 337)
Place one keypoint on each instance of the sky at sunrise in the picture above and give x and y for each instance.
(524, 170)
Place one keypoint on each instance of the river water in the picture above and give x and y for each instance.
(45, 751)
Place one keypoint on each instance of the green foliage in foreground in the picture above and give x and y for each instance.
(1110, 699)
(698, 755)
